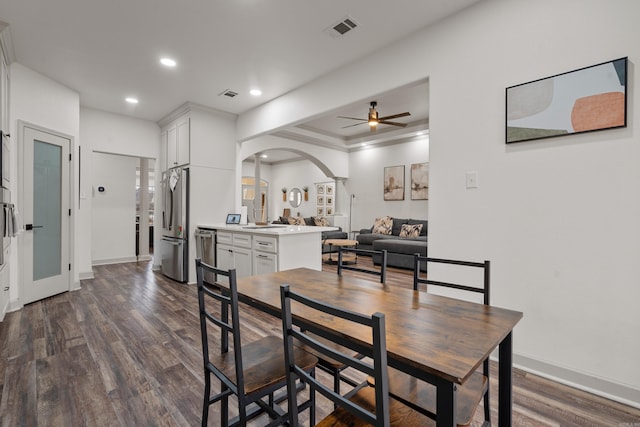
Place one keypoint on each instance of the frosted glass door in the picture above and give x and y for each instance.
(46, 162)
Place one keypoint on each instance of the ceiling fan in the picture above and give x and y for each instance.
(373, 120)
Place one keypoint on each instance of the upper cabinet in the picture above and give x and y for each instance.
(199, 137)
(178, 140)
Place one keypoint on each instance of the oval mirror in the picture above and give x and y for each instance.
(295, 197)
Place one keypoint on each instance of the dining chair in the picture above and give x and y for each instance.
(251, 371)
(363, 405)
(421, 395)
(380, 270)
(333, 366)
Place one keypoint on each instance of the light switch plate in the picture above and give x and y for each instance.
(472, 179)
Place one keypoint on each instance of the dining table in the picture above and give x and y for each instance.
(431, 337)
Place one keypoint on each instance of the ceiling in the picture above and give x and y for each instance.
(109, 50)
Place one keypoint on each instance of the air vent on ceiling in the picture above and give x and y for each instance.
(342, 27)
(228, 93)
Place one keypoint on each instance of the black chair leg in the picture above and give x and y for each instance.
(487, 411)
(205, 405)
(224, 409)
(312, 398)
(487, 406)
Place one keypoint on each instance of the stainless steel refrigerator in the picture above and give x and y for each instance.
(175, 224)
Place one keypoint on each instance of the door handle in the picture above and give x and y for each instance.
(31, 226)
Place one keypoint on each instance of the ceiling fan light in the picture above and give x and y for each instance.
(373, 117)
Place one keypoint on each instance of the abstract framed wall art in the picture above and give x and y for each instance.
(394, 183)
(420, 181)
(584, 100)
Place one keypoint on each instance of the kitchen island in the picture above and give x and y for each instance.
(256, 249)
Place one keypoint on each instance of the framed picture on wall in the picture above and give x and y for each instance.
(329, 211)
(420, 181)
(394, 183)
(320, 201)
(319, 188)
(329, 188)
(585, 100)
(320, 211)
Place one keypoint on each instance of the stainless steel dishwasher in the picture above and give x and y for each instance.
(206, 250)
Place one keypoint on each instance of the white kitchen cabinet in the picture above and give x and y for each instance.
(265, 258)
(178, 140)
(4, 287)
(232, 252)
(264, 263)
(242, 262)
(224, 257)
(253, 251)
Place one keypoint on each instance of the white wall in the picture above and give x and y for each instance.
(295, 175)
(557, 218)
(116, 134)
(213, 190)
(367, 177)
(113, 227)
(38, 100)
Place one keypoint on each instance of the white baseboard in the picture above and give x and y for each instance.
(85, 275)
(622, 393)
(114, 261)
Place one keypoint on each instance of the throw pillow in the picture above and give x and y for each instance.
(321, 221)
(382, 225)
(412, 230)
(296, 220)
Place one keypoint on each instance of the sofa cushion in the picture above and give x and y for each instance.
(410, 230)
(382, 225)
(296, 220)
(321, 221)
(424, 223)
(309, 221)
(397, 225)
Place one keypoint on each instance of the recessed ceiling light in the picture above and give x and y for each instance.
(255, 92)
(264, 156)
(168, 62)
(364, 144)
(420, 133)
(131, 100)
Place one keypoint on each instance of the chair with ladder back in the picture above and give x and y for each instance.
(363, 405)
(421, 395)
(251, 371)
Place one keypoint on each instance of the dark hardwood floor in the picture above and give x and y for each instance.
(125, 350)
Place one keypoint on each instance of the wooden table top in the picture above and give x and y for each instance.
(340, 242)
(426, 334)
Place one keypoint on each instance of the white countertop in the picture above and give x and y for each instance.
(272, 229)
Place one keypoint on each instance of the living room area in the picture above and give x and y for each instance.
(359, 198)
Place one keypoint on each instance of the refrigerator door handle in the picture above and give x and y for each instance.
(172, 242)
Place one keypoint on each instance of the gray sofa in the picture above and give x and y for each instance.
(400, 250)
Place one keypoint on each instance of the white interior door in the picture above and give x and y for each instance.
(46, 214)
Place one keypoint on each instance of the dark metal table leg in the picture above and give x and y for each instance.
(505, 381)
(445, 403)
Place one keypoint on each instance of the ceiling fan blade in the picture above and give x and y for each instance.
(350, 126)
(395, 116)
(351, 118)
(384, 122)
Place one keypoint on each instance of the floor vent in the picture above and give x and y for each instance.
(341, 27)
(228, 93)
